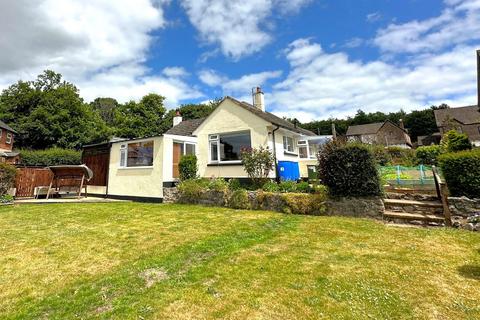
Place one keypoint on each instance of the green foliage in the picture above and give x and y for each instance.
(234, 184)
(428, 154)
(381, 155)
(258, 164)
(218, 184)
(302, 187)
(462, 172)
(106, 108)
(270, 186)
(7, 177)
(142, 119)
(188, 167)
(238, 199)
(191, 190)
(50, 157)
(6, 198)
(348, 170)
(49, 112)
(453, 141)
(287, 186)
(302, 203)
(401, 156)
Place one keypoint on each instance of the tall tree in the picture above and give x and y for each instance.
(49, 112)
(106, 108)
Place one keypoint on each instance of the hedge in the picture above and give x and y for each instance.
(462, 172)
(50, 157)
(7, 177)
(428, 154)
(188, 167)
(348, 170)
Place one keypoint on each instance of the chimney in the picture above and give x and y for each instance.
(177, 119)
(400, 124)
(478, 78)
(258, 99)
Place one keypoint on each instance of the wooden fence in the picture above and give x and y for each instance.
(97, 159)
(30, 177)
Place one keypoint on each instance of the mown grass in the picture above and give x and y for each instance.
(131, 261)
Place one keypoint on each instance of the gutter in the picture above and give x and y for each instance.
(275, 153)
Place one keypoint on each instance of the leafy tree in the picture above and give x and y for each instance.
(49, 112)
(453, 141)
(140, 119)
(106, 107)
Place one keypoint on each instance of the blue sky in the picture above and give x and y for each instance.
(314, 59)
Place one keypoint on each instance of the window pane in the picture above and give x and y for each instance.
(302, 150)
(123, 157)
(231, 144)
(189, 148)
(213, 151)
(140, 154)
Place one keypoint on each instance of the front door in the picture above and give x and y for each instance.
(177, 154)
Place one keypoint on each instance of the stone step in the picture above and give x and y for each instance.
(404, 203)
(427, 190)
(413, 216)
(407, 196)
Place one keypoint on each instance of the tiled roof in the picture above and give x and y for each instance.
(186, 127)
(6, 127)
(270, 117)
(361, 129)
(464, 115)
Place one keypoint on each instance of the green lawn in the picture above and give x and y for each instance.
(146, 261)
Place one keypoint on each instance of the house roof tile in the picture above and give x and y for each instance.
(361, 129)
(464, 115)
(186, 127)
(6, 127)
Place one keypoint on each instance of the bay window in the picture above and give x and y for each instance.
(136, 154)
(226, 147)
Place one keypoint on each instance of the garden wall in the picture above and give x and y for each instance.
(295, 203)
(463, 206)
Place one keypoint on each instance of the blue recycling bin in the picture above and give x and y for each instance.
(288, 170)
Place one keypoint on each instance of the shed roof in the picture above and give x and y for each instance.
(186, 127)
(464, 115)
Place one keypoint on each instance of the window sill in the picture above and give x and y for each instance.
(133, 168)
(290, 154)
(224, 164)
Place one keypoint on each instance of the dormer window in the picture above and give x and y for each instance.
(8, 139)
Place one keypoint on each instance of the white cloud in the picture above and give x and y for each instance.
(457, 24)
(99, 45)
(239, 27)
(240, 86)
(354, 43)
(374, 17)
(323, 85)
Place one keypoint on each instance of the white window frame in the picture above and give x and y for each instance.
(124, 150)
(215, 139)
(286, 145)
(185, 143)
(303, 143)
(8, 139)
(1, 132)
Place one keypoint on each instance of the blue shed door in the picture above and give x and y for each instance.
(288, 170)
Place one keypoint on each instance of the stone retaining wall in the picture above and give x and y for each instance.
(463, 206)
(290, 203)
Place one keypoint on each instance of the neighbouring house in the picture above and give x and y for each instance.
(141, 168)
(383, 133)
(464, 120)
(429, 140)
(7, 135)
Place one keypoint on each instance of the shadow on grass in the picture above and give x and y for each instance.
(470, 271)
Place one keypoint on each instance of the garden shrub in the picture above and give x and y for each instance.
(287, 186)
(218, 184)
(462, 172)
(302, 203)
(270, 186)
(302, 187)
(258, 163)
(453, 141)
(382, 157)
(238, 199)
(401, 156)
(50, 157)
(6, 198)
(428, 154)
(188, 167)
(191, 190)
(234, 184)
(348, 170)
(7, 177)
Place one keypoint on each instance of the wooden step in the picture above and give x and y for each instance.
(413, 216)
(404, 203)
